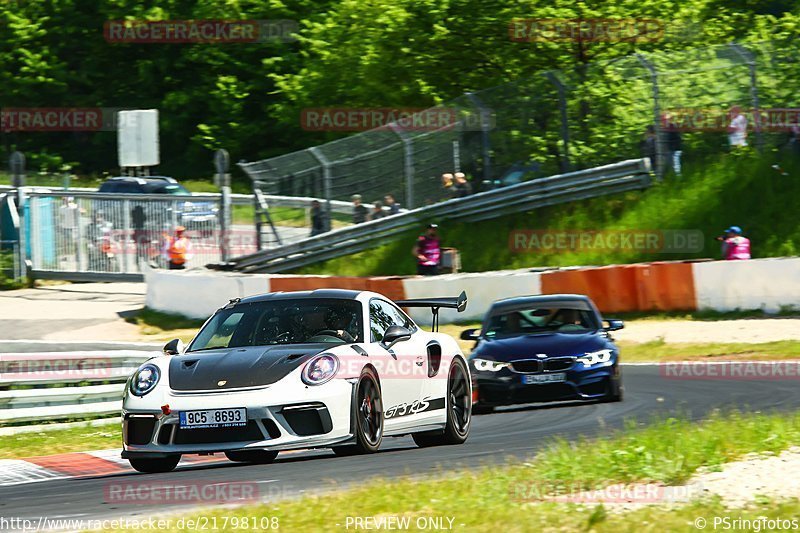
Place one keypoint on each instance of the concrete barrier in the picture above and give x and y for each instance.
(766, 284)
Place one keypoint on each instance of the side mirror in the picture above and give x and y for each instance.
(614, 324)
(470, 334)
(395, 334)
(174, 347)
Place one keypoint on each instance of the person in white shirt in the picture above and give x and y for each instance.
(737, 131)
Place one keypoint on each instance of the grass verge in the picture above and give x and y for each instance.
(50, 442)
(164, 326)
(497, 497)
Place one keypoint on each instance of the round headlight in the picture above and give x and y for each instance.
(145, 379)
(320, 369)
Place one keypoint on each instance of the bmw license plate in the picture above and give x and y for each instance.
(213, 418)
(539, 379)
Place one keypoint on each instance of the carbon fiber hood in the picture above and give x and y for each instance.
(246, 366)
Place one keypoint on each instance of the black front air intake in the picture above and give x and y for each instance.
(308, 419)
(139, 429)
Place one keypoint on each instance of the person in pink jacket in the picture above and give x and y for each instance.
(735, 246)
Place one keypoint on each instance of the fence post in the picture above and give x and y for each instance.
(223, 179)
(485, 140)
(562, 104)
(656, 116)
(750, 61)
(126, 231)
(326, 183)
(408, 163)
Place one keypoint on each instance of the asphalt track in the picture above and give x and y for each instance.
(517, 432)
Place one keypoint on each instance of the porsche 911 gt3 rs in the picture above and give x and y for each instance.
(280, 371)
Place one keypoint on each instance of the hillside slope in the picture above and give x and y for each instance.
(742, 189)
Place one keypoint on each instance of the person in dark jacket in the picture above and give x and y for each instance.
(359, 211)
(648, 145)
(390, 202)
(317, 218)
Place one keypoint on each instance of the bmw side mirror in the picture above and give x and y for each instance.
(395, 334)
(174, 347)
(470, 334)
(614, 324)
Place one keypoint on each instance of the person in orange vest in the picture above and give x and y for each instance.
(178, 249)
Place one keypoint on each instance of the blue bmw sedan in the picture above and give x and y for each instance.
(544, 348)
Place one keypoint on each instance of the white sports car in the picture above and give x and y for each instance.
(281, 371)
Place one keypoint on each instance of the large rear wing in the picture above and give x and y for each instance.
(458, 303)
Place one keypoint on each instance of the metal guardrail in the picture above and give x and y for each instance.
(65, 385)
(608, 179)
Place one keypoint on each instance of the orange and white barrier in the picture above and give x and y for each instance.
(767, 284)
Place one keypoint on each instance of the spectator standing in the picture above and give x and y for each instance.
(648, 145)
(673, 142)
(737, 130)
(359, 211)
(178, 249)
(428, 251)
(447, 181)
(317, 218)
(377, 211)
(393, 206)
(139, 222)
(735, 246)
(461, 187)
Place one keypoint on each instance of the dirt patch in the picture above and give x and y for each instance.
(746, 330)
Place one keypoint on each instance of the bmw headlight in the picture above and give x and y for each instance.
(145, 379)
(320, 369)
(595, 358)
(485, 365)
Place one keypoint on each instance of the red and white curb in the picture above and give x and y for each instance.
(74, 465)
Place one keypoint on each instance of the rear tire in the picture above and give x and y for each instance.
(459, 410)
(367, 416)
(155, 466)
(260, 457)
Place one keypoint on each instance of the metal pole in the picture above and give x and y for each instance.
(656, 115)
(562, 104)
(485, 139)
(223, 179)
(408, 164)
(456, 156)
(126, 232)
(326, 182)
(749, 59)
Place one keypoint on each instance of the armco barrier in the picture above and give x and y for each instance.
(55, 377)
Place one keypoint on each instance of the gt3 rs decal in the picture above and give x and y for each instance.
(418, 406)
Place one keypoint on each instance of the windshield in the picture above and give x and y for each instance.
(541, 320)
(173, 189)
(289, 321)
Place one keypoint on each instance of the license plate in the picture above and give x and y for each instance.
(213, 418)
(538, 379)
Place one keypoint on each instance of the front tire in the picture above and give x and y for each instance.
(615, 392)
(367, 417)
(459, 410)
(260, 457)
(155, 466)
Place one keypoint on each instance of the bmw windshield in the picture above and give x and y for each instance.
(526, 321)
(289, 321)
